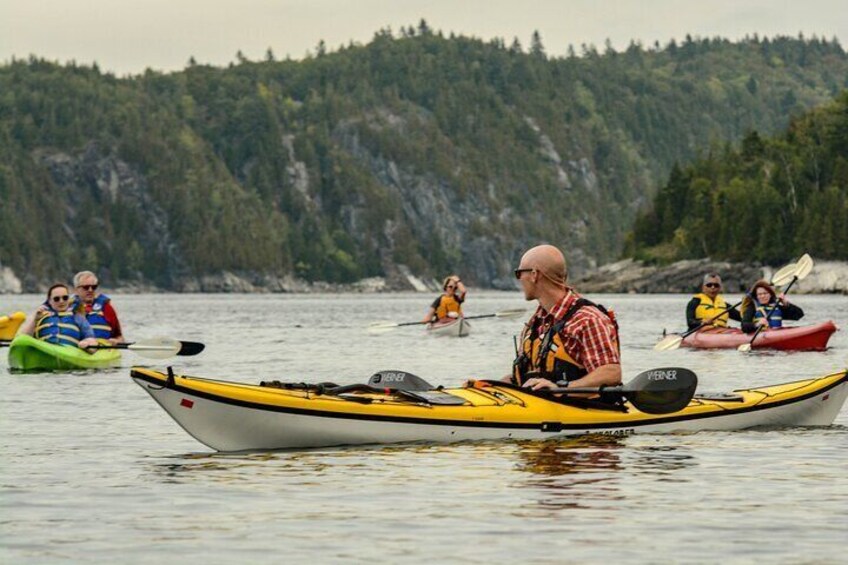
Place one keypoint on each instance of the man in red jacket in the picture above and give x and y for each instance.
(98, 308)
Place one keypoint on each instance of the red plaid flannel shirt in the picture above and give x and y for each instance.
(589, 337)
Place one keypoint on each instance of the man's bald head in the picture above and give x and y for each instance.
(549, 261)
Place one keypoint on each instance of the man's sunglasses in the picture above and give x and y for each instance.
(60, 298)
(519, 271)
(89, 287)
(712, 285)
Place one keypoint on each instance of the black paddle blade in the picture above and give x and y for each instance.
(400, 380)
(661, 391)
(190, 348)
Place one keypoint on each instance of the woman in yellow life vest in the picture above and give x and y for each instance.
(449, 303)
(708, 308)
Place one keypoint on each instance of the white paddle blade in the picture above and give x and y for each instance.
(744, 348)
(512, 313)
(156, 348)
(381, 327)
(805, 265)
(800, 270)
(668, 343)
(784, 275)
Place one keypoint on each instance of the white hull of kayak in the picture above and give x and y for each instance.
(227, 426)
(451, 328)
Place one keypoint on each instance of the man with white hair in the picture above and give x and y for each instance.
(708, 308)
(569, 338)
(98, 308)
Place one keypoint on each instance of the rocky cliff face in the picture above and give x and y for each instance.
(471, 227)
(102, 189)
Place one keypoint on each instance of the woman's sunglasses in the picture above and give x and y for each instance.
(60, 298)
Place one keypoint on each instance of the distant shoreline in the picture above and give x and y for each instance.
(636, 277)
(622, 277)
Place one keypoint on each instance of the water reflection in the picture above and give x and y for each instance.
(232, 468)
(587, 472)
(306, 465)
(564, 457)
(574, 473)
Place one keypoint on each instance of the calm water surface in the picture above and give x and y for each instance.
(92, 470)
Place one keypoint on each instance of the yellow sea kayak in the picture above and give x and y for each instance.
(229, 416)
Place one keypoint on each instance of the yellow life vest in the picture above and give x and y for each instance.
(555, 363)
(709, 308)
(543, 355)
(448, 304)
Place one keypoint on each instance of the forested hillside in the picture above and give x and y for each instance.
(437, 153)
(770, 199)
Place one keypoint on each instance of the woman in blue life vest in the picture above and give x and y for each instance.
(449, 303)
(55, 322)
(762, 307)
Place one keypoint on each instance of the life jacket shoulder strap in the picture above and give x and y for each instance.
(578, 304)
(558, 326)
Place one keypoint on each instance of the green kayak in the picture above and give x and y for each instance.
(29, 354)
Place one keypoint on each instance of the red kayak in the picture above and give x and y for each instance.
(798, 338)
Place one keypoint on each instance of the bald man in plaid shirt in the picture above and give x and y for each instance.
(569, 339)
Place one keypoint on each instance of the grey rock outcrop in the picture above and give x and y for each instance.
(9, 282)
(629, 276)
(683, 276)
(826, 277)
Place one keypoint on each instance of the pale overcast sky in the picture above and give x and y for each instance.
(127, 36)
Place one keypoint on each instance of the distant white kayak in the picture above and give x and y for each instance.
(456, 327)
